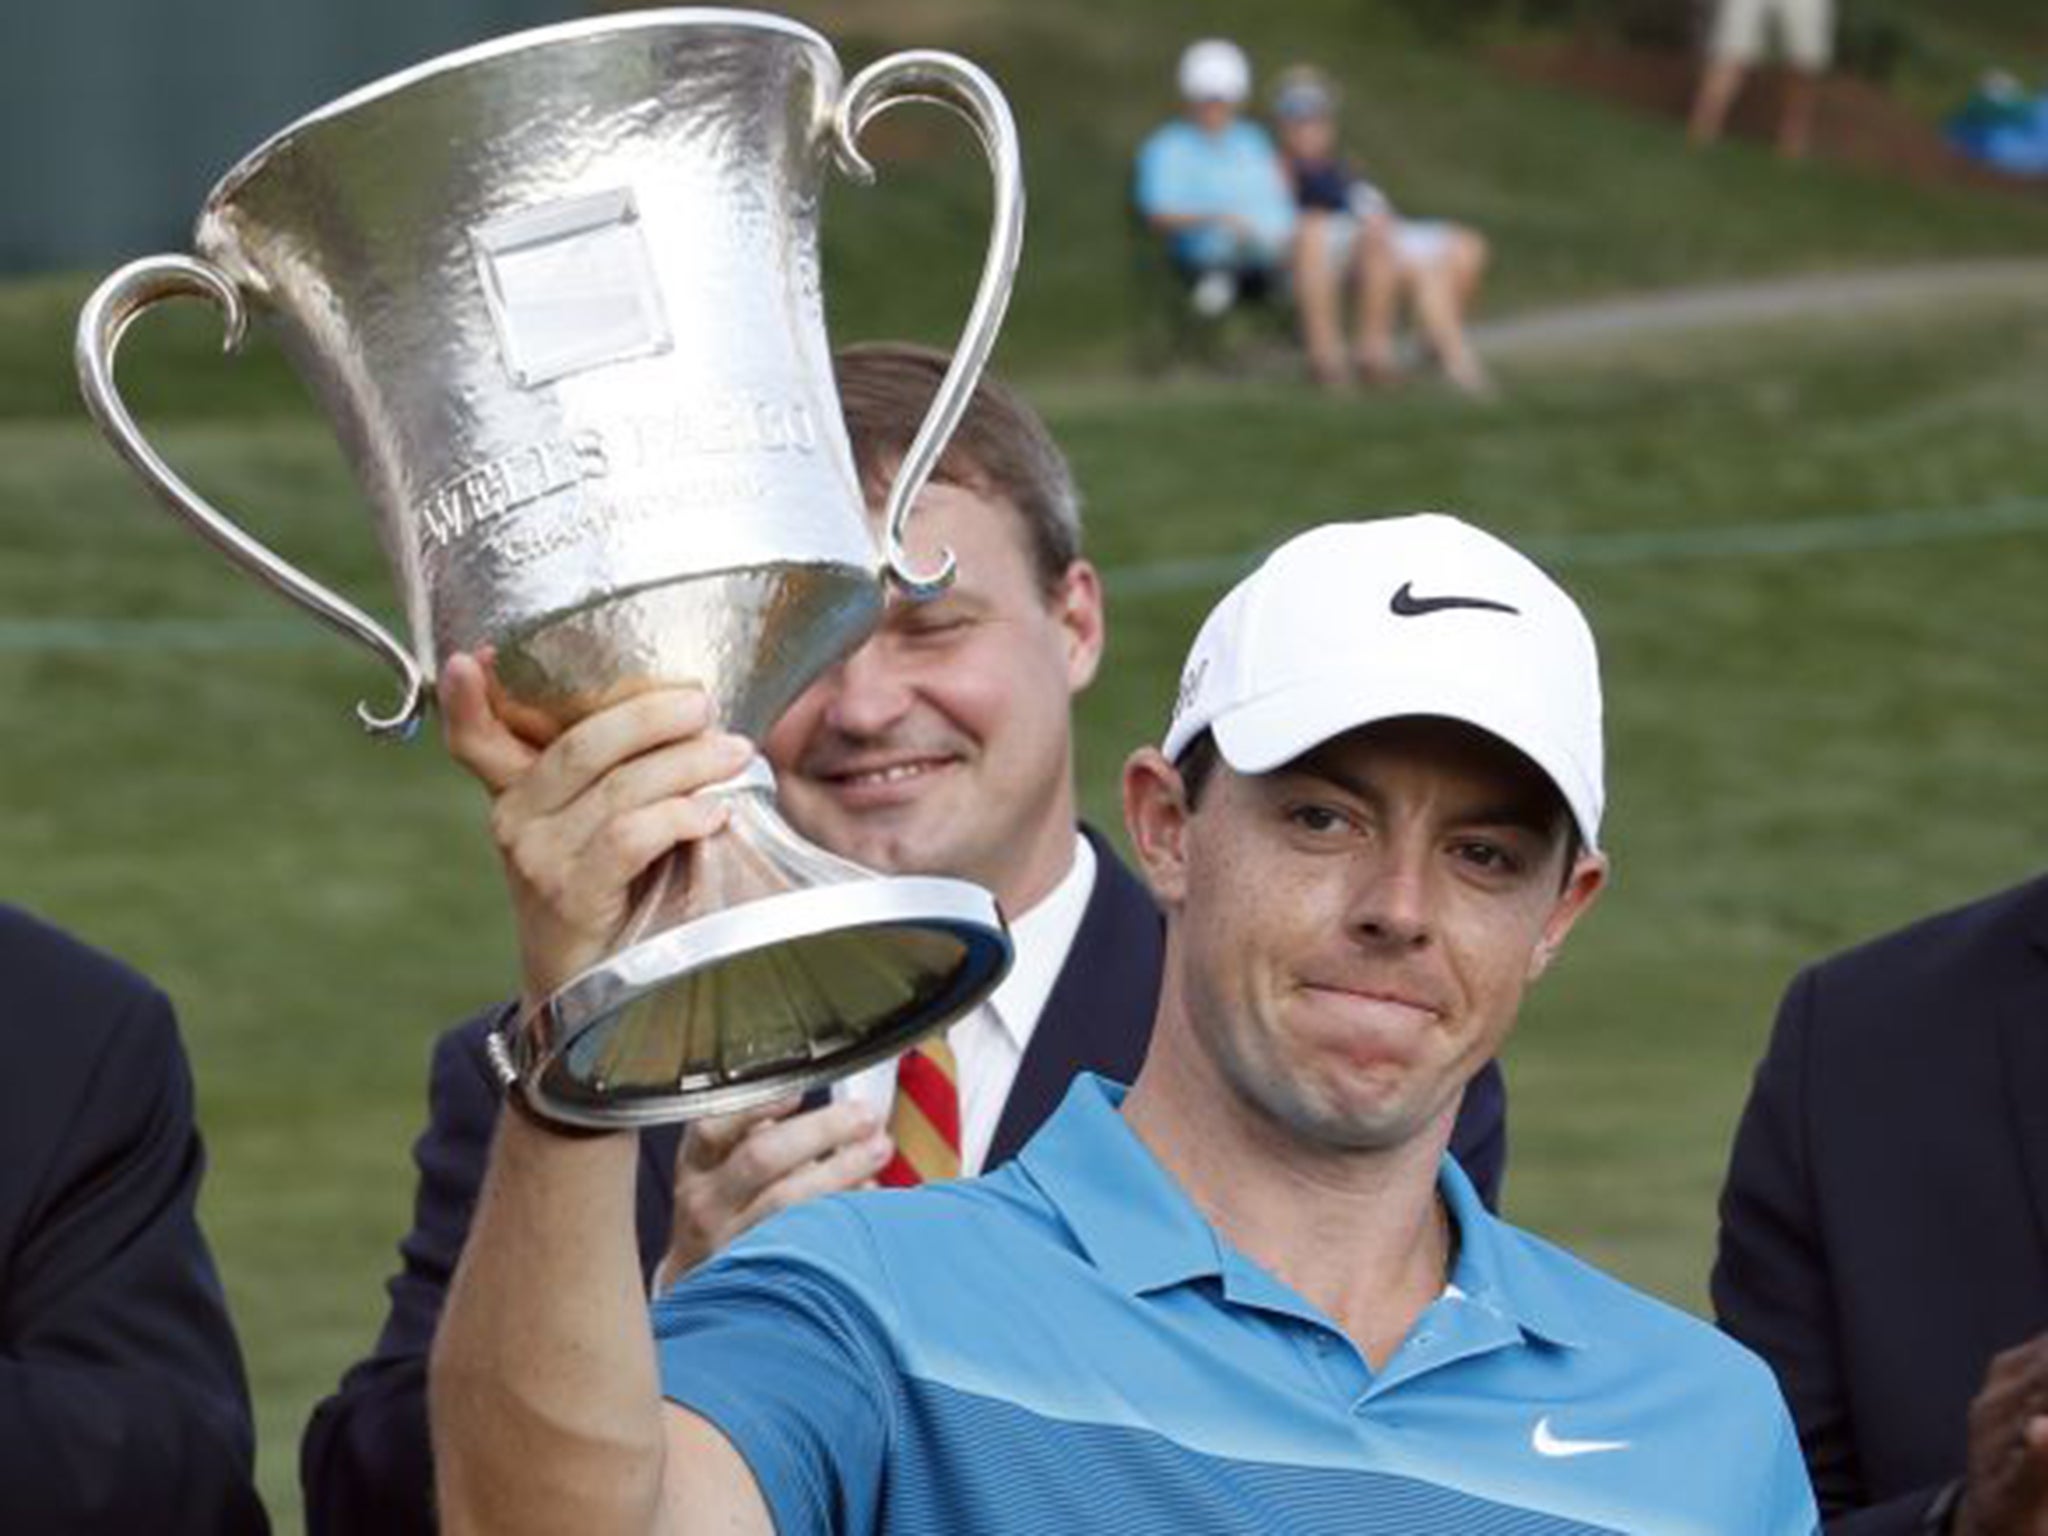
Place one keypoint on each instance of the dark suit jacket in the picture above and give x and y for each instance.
(365, 1461)
(122, 1402)
(1884, 1230)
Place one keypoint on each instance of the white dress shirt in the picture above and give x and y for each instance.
(989, 1042)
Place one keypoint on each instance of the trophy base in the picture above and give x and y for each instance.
(729, 997)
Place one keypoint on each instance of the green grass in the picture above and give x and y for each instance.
(1804, 747)
(1579, 197)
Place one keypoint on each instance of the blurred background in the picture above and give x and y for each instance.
(1779, 424)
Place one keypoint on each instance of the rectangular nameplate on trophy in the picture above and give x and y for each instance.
(571, 286)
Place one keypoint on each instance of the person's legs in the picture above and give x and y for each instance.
(1795, 119)
(1734, 44)
(1376, 289)
(1719, 83)
(1809, 27)
(1469, 254)
(1316, 297)
(1444, 282)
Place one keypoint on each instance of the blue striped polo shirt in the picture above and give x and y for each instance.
(1067, 1346)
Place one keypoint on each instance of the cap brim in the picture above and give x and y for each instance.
(1276, 728)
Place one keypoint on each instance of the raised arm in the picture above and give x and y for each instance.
(545, 1407)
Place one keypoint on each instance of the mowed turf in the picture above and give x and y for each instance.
(1807, 745)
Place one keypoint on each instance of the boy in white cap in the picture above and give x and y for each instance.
(1212, 183)
(1253, 1293)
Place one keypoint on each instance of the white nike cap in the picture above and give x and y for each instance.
(1353, 623)
(1215, 69)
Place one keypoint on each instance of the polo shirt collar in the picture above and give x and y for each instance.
(1496, 1272)
(1131, 1217)
(1140, 1229)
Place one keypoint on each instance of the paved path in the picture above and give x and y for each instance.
(1585, 325)
(1611, 322)
(1803, 298)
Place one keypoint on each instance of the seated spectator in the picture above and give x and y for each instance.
(1212, 184)
(1350, 239)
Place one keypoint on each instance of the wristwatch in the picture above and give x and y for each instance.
(499, 1053)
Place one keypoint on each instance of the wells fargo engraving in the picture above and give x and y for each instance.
(494, 490)
(653, 463)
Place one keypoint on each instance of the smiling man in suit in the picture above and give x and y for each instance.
(943, 745)
(1884, 1227)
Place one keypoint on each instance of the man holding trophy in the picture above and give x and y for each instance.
(560, 296)
(1252, 1293)
(942, 745)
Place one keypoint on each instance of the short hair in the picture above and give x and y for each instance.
(1000, 448)
(1303, 92)
(1198, 760)
(1197, 765)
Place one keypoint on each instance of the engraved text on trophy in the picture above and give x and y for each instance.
(703, 454)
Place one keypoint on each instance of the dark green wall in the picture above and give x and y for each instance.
(117, 115)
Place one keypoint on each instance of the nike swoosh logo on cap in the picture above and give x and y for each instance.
(1546, 1443)
(1408, 605)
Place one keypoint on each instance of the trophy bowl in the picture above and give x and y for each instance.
(558, 295)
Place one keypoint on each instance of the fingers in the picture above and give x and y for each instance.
(710, 1142)
(2017, 1382)
(852, 1165)
(477, 738)
(2007, 1483)
(593, 747)
(579, 819)
(481, 733)
(736, 1171)
(619, 802)
(782, 1149)
(579, 863)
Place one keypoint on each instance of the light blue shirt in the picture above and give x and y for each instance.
(1183, 170)
(1068, 1346)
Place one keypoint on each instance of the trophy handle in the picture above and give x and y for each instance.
(947, 81)
(101, 324)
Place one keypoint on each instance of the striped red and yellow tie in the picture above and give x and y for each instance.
(925, 1120)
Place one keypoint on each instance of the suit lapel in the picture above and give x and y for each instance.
(2023, 1042)
(1098, 1016)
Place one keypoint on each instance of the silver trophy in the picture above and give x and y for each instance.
(559, 296)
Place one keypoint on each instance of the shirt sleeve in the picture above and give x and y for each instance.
(782, 1343)
(1154, 185)
(1787, 1493)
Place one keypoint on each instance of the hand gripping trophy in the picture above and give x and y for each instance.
(558, 295)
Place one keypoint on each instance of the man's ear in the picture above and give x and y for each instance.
(1587, 879)
(1156, 816)
(1077, 604)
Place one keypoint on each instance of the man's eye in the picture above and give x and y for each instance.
(1316, 818)
(1488, 856)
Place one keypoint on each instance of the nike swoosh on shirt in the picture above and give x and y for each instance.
(1548, 1444)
